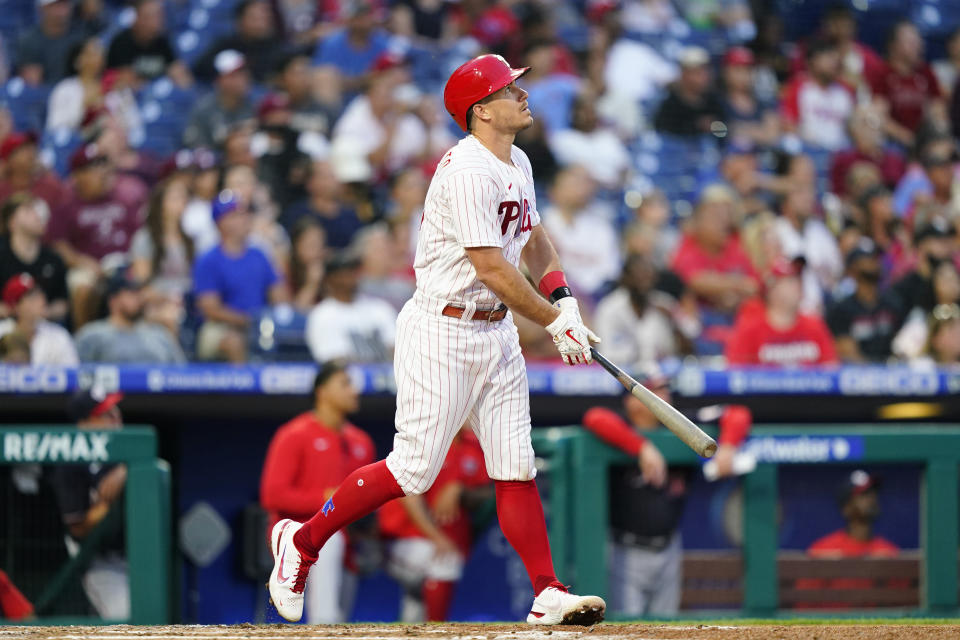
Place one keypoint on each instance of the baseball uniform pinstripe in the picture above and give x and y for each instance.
(453, 371)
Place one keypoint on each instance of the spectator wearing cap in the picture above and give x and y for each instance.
(81, 91)
(228, 105)
(802, 233)
(253, 195)
(23, 223)
(95, 224)
(143, 49)
(710, 258)
(865, 322)
(326, 204)
(49, 343)
(43, 50)
(22, 171)
(869, 145)
(231, 282)
(816, 104)
(123, 337)
(344, 59)
(747, 116)
(691, 107)
(254, 37)
(588, 143)
(635, 319)
(780, 335)
(91, 497)
(162, 253)
(574, 214)
(391, 125)
(347, 325)
(905, 85)
(933, 244)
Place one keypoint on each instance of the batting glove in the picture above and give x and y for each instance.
(569, 333)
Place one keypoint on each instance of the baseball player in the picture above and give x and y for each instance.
(457, 357)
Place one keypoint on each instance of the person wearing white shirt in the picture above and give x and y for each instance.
(345, 325)
(584, 239)
(596, 148)
(802, 234)
(632, 320)
(49, 343)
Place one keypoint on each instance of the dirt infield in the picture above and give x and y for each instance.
(493, 632)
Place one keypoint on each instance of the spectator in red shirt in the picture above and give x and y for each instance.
(21, 170)
(95, 224)
(710, 259)
(432, 532)
(307, 460)
(816, 104)
(775, 333)
(858, 61)
(906, 86)
(869, 145)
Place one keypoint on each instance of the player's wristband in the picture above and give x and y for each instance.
(554, 286)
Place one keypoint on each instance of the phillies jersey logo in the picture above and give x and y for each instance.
(510, 211)
(327, 507)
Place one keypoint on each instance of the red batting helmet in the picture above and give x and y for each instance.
(475, 80)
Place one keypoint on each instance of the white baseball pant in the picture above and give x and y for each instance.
(452, 372)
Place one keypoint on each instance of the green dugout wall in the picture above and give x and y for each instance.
(148, 508)
(577, 463)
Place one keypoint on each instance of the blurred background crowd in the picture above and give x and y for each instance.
(242, 180)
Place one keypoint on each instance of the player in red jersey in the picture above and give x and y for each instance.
(307, 460)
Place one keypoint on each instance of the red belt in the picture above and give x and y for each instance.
(486, 315)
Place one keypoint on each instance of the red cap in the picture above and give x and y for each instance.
(474, 81)
(739, 57)
(273, 102)
(388, 60)
(14, 141)
(783, 268)
(17, 287)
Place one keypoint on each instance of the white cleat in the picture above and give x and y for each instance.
(554, 606)
(289, 575)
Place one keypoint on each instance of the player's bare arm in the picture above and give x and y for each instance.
(539, 255)
(509, 285)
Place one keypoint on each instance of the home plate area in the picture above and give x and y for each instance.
(611, 631)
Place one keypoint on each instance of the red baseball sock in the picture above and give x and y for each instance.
(361, 493)
(521, 520)
(437, 596)
(13, 605)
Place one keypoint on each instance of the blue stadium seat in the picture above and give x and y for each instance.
(165, 108)
(27, 104)
(56, 147)
(279, 335)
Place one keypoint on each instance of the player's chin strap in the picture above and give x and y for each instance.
(554, 286)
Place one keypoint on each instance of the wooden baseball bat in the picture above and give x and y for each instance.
(702, 444)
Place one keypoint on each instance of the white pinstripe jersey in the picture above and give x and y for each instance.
(474, 200)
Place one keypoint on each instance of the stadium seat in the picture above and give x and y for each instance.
(27, 104)
(57, 146)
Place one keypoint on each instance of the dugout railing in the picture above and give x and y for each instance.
(147, 510)
(577, 464)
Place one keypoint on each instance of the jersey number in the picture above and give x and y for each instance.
(510, 211)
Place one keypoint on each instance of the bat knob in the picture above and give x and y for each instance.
(710, 450)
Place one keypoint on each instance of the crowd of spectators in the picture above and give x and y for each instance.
(242, 180)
